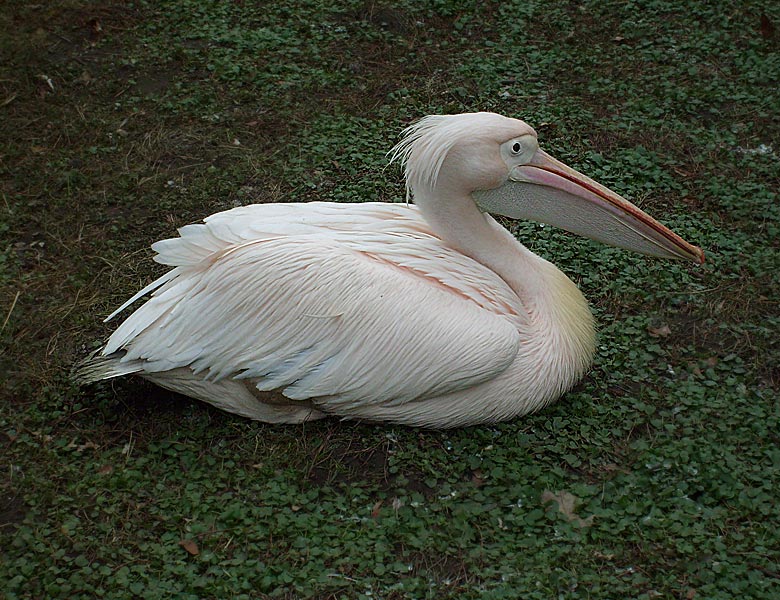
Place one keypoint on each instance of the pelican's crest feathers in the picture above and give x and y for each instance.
(423, 147)
(425, 144)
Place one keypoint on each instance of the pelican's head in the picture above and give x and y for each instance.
(497, 160)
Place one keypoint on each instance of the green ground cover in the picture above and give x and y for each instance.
(657, 477)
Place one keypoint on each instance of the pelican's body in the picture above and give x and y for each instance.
(429, 315)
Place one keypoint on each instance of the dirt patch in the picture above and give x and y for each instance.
(153, 83)
(12, 508)
(344, 460)
(12, 511)
(449, 570)
(339, 461)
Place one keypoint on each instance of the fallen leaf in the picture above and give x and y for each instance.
(477, 478)
(662, 331)
(375, 510)
(679, 171)
(44, 437)
(613, 468)
(691, 594)
(767, 27)
(46, 79)
(190, 546)
(566, 504)
(80, 447)
(106, 470)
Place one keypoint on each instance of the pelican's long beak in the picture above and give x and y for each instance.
(548, 191)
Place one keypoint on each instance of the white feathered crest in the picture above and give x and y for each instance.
(423, 147)
(425, 144)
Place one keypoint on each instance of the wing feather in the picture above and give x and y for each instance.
(341, 313)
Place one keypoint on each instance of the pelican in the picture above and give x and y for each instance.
(428, 314)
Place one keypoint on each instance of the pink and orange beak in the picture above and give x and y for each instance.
(546, 190)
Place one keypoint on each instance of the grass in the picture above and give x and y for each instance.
(657, 477)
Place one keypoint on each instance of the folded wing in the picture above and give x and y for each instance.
(340, 313)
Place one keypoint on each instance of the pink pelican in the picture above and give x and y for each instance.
(429, 315)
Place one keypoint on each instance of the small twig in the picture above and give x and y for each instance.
(10, 310)
(766, 571)
(62, 37)
(62, 418)
(73, 306)
(10, 99)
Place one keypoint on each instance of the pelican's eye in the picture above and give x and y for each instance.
(517, 148)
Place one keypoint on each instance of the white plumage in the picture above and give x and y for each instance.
(434, 316)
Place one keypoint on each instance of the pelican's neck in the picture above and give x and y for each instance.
(459, 222)
(560, 324)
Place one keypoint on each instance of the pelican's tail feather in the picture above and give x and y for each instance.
(98, 367)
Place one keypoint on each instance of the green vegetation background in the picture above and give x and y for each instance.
(656, 478)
